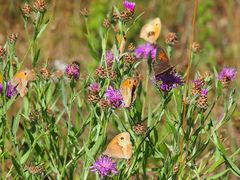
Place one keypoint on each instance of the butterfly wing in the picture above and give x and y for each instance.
(22, 88)
(120, 147)
(161, 63)
(151, 31)
(126, 91)
(136, 82)
(20, 80)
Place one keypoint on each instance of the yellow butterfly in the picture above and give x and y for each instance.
(20, 81)
(120, 147)
(128, 90)
(151, 31)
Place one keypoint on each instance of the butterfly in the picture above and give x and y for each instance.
(20, 81)
(151, 31)
(161, 63)
(121, 42)
(128, 89)
(120, 147)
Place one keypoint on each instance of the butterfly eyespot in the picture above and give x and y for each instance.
(122, 138)
(25, 73)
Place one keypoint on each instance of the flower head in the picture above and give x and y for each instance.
(171, 38)
(104, 166)
(109, 58)
(73, 70)
(27, 10)
(144, 50)
(11, 90)
(130, 6)
(114, 96)
(40, 5)
(94, 87)
(204, 92)
(227, 74)
(170, 80)
(2, 52)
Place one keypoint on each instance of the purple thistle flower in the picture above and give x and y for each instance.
(1, 88)
(144, 50)
(227, 74)
(198, 83)
(11, 90)
(130, 6)
(94, 87)
(73, 70)
(114, 96)
(170, 80)
(109, 56)
(204, 92)
(104, 166)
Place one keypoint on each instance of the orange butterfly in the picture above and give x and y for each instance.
(122, 43)
(128, 90)
(120, 147)
(20, 81)
(161, 63)
(151, 31)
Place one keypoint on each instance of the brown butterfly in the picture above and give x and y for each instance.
(20, 81)
(120, 147)
(161, 63)
(128, 90)
(151, 31)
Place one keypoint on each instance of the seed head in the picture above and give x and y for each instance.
(112, 75)
(104, 104)
(45, 73)
(84, 12)
(13, 38)
(139, 129)
(35, 169)
(93, 97)
(40, 5)
(2, 52)
(131, 47)
(196, 48)
(34, 115)
(126, 15)
(198, 84)
(202, 102)
(27, 10)
(106, 23)
(129, 59)
(101, 72)
(171, 38)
